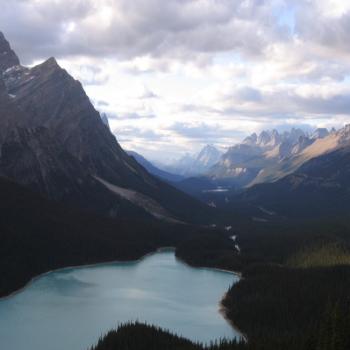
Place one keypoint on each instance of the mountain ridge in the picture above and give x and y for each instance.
(151, 168)
(58, 121)
(318, 188)
(195, 164)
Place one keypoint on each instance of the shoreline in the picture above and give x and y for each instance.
(82, 266)
(236, 273)
(35, 278)
(221, 310)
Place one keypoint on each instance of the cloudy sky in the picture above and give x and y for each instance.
(175, 75)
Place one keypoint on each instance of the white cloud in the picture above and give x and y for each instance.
(168, 70)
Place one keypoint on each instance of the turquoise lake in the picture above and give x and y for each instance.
(71, 308)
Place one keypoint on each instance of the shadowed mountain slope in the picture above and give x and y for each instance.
(320, 187)
(54, 141)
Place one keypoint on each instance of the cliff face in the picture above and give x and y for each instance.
(54, 141)
(51, 98)
(8, 58)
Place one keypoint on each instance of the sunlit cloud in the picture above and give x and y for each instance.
(174, 75)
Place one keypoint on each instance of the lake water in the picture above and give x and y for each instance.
(71, 308)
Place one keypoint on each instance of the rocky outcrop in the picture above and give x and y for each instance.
(8, 58)
(55, 142)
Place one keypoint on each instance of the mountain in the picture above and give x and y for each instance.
(54, 141)
(152, 169)
(206, 158)
(261, 157)
(318, 188)
(314, 148)
(105, 121)
(197, 164)
(241, 163)
(38, 235)
(8, 57)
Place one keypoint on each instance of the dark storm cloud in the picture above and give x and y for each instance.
(331, 32)
(36, 29)
(276, 58)
(123, 28)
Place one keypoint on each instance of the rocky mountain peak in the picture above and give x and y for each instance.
(347, 128)
(251, 140)
(8, 58)
(344, 135)
(269, 138)
(208, 155)
(53, 140)
(208, 149)
(295, 134)
(264, 138)
(303, 142)
(50, 64)
(48, 68)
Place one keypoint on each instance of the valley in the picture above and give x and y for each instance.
(273, 208)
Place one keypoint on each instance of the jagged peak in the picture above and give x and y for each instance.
(49, 64)
(252, 139)
(8, 57)
(345, 131)
(209, 147)
(51, 61)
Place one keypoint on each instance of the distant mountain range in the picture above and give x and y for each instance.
(279, 177)
(259, 156)
(195, 164)
(292, 174)
(53, 141)
(320, 187)
(314, 147)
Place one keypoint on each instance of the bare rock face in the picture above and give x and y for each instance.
(3, 92)
(259, 153)
(8, 58)
(49, 97)
(54, 141)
